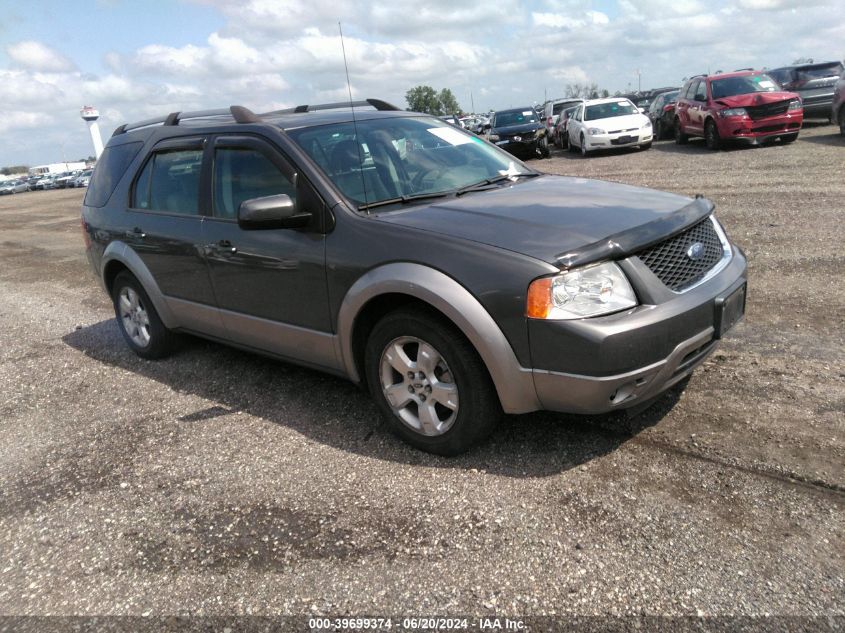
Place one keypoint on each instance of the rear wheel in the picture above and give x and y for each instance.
(431, 386)
(680, 137)
(711, 135)
(138, 320)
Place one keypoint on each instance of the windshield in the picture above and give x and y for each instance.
(609, 110)
(515, 117)
(821, 71)
(731, 86)
(394, 157)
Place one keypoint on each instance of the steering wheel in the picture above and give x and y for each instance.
(417, 181)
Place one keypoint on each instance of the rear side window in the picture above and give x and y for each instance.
(170, 182)
(110, 169)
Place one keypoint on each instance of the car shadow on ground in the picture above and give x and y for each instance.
(333, 411)
(834, 138)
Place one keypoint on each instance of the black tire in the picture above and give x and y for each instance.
(478, 407)
(558, 141)
(842, 121)
(543, 147)
(680, 137)
(161, 341)
(583, 147)
(789, 139)
(711, 135)
(658, 130)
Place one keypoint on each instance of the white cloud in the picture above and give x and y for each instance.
(16, 120)
(34, 55)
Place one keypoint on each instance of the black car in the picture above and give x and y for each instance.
(447, 277)
(814, 83)
(662, 114)
(518, 131)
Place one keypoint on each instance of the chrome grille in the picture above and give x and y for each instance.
(670, 262)
(768, 109)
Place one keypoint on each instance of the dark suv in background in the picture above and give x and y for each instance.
(411, 257)
(814, 83)
(519, 131)
(745, 106)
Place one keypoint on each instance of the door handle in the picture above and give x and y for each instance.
(136, 232)
(223, 246)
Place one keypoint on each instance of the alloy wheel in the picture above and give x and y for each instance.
(134, 317)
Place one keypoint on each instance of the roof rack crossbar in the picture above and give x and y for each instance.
(239, 113)
(378, 104)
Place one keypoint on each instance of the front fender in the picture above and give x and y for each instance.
(123, 253)
(513, 383)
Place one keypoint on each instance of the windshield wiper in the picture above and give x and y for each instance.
(484, 184)
(402, 200)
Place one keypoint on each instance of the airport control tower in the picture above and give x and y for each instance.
(90, 115)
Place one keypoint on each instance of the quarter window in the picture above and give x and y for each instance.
(242, 174)
(170, 182)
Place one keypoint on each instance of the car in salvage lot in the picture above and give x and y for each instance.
(608, 124)
(518, 131)
(744, 107)
(450, 279)
(812, 82)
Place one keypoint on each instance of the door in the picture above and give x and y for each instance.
(698, 108)
(575, 125)
(270, 284)
(163, 225)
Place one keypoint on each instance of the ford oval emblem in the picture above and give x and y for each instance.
(696, 251)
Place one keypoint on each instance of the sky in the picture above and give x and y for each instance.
(136, 59)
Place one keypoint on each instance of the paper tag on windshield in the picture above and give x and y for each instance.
(527, 113)
(450, 135)
(765, 83)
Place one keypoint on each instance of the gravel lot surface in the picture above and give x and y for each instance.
(216, 482)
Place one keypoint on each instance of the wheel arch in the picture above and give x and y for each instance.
(396, 285)
(118, 257)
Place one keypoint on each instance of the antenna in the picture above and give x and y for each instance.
(354, 121)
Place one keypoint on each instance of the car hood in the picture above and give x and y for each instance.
(618, 122)
(516, 129)
(561, 220)
(756, 98)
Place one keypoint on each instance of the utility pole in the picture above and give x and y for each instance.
(639, 83)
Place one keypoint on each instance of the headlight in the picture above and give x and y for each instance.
(646, 124)
(596, 130)
(733, 112)
(795, 104)
(582, 292)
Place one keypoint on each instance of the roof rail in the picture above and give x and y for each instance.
(739, 70)
(239, 113)
(378, 104)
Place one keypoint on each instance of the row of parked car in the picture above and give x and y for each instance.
(748, 106)
(66, 180)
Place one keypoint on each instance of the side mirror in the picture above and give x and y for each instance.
(271, 212)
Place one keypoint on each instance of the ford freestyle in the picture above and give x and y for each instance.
(413, 258)
(745, 106)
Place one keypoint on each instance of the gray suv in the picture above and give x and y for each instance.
(415, 259)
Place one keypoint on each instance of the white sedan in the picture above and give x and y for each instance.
(608, 124)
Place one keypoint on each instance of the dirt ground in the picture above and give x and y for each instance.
(216, 482)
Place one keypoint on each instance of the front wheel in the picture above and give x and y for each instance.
(138, 320)
(583, 147)
(543, 147)
(711, 136)
(842, 121)
(431, 386)
(680, 137)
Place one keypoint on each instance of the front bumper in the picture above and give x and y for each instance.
(522, 147)
(621, 139)
(746, 130)
(601, 364)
